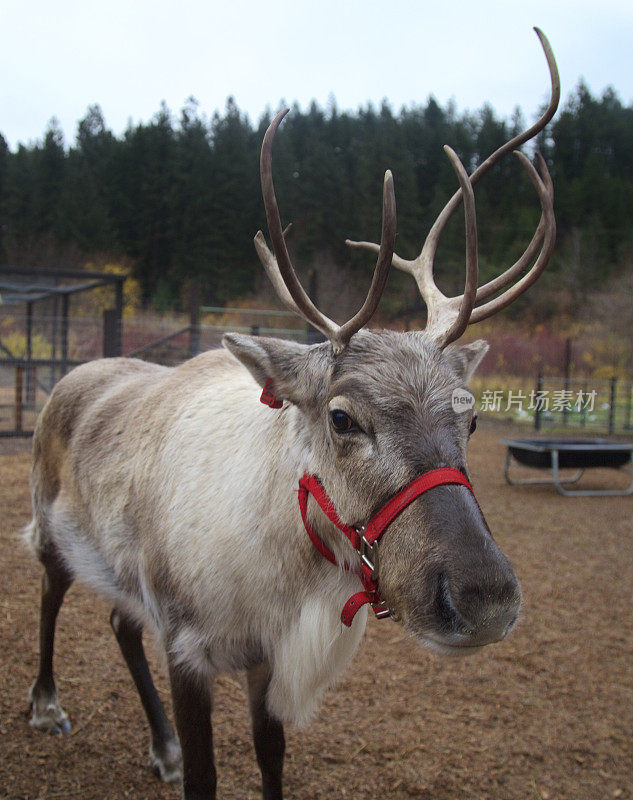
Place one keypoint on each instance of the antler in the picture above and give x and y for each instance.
(448, 317)
(279, 266)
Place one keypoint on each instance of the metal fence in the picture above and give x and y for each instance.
(258, 322)
(596, 406)
(30, 365)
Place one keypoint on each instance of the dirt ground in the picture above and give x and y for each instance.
(546, 715)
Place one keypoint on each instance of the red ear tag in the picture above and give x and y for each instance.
(268, 397)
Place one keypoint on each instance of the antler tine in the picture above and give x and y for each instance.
(430, 245)
(279, 267)
(383, 264)
(447, 317)
(397, 261)
(485, 166)
(422, 267)
(538, 126)
(516, 141)
(544, 188)
(446, 324)
(493, 286)
(272, 270)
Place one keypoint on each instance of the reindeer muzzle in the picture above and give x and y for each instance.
(365, 539)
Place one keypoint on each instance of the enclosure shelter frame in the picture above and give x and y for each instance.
(28, 286)
(557, 454)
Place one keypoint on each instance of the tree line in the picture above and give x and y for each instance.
(178, 197)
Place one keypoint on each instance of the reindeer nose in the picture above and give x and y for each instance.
(479, 614)
(449, 619)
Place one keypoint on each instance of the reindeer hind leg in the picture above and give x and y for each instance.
(48, 715)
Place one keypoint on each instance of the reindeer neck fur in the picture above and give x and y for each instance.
(156, 528)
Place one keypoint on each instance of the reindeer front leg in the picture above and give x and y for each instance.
(191, 698)
(164, 750)
(268, 734)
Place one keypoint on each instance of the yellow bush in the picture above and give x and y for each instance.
(16, 343)
(96, 301)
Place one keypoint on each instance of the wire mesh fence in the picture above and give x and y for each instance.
(566, 404)
(587, 405)
(30, 366)
(32, 363)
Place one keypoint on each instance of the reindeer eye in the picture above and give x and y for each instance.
(473, 425)
(342, 422)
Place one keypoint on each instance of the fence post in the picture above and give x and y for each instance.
(194, 320)
(53, 373)
(537, 409)
(19, 383)
(65, 313)
(567, 379)
(30, 387)
(118, 306)
(111, 338)
(612, 398)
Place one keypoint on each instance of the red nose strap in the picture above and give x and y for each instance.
(364, 540)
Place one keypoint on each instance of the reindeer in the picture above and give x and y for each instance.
(172, 492)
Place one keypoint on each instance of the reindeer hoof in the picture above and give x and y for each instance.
(48, 715)
(166, 761)
(63, 727)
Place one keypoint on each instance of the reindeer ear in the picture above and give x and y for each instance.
(465, 358)
(297, 371)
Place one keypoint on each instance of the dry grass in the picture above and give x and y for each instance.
(547, 714)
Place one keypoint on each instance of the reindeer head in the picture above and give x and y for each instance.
(376, 411)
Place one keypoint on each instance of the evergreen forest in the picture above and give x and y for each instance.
(177, 199)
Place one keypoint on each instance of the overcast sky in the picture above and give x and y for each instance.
(59, 57)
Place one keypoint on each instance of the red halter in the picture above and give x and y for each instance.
(365, 540)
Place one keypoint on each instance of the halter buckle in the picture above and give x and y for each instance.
(368, 552)
(381, 610)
